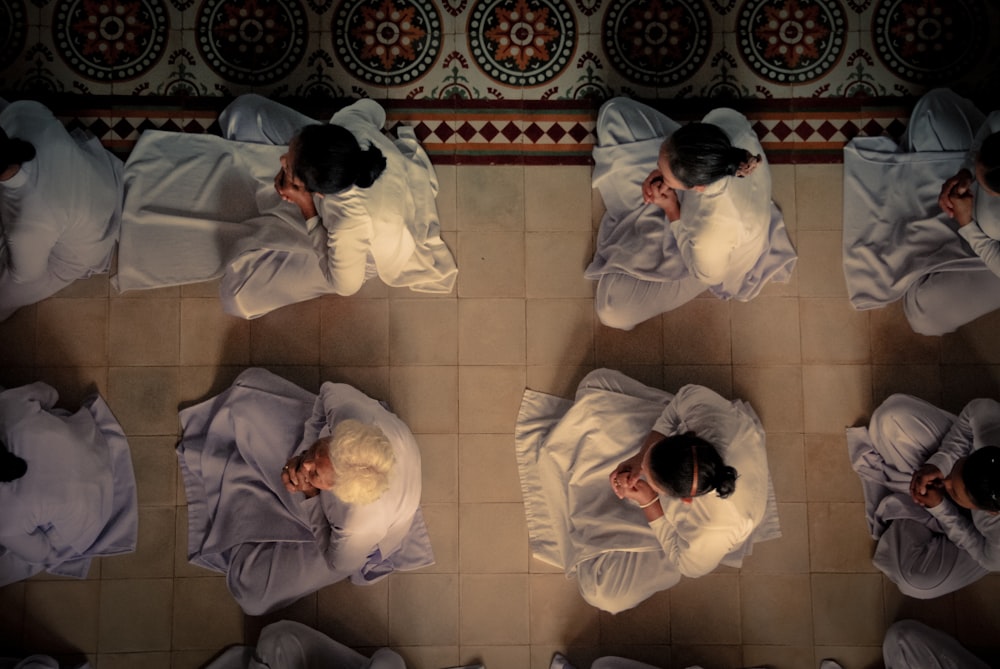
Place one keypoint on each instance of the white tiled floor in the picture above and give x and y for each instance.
(454, 368)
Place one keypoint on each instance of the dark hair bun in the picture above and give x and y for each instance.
(14, 151)
(11, 467)
(370, 167)
(724, 481)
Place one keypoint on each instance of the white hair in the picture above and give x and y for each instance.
(362, 460)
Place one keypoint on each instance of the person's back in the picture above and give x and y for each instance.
(67, 194)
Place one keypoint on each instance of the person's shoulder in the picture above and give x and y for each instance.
(25, 113)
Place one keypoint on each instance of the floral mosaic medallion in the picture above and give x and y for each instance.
(13, 31)
(108, 40)
(657, 42)
(930, 41)
(522, 42)
(387, 42)
(791, 41)
(252, 41)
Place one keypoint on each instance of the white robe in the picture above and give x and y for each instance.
(898, 242)
(730, 239)
(566, 451)
(200, 207)
(77, 499)
(291, 645)
(59, 215)
(926, 552)
(275, 546)
(910, 644)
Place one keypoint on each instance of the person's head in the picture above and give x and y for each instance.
(974, 481)
(11, 466)
(354, 462)
(988, 164)
(14, 152)
(328, 159)
(699, 154)
(686, 466)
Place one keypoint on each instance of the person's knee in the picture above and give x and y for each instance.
(902, 630)
(885, 418)
(915, 570)
(235, 115)
(604, 588)
(611, 311)
(923, 321)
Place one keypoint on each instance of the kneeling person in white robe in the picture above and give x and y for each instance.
(722, 232)
(60, 205)
(675, 508)
(347, 203)
(68, 490)
(907, 235)
(285, 503)
(932, 492)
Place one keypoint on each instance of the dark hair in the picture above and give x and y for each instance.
(981, 476)
(11, 466)
(14, 151)
(989, 159)
(329, 159)
(701, 153)
(672, 466)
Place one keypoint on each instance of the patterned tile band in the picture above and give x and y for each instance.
(511, 135)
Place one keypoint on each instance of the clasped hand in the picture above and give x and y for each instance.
(656, 191)
(956, 198)
(927, 486)
(626, 482)
(295, 478)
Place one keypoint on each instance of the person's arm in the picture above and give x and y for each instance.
(987, 248)
(344, 240)
(964, 534)
(694, 548)
(960, 439)
(706, 240)
(346, 549)
(29, 245)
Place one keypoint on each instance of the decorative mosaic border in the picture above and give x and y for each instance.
(504, 132)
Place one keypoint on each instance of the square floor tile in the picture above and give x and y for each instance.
(136, 615)
(425, 609)
(559, 614)
(494, 609)
(354, 615)
(493, 538)
(847, 609)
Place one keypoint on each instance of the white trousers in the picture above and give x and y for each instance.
(941, 302)
(623, 301)
(291, 645)
(923, 562)
(910, 645)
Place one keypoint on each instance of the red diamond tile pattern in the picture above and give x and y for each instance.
(559, 137)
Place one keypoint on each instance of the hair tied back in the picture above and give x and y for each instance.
(747, 166)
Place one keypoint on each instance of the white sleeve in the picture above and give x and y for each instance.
(348, 239)
(28, 250)
(705, 246)
(695, 550)
(985, 246)
(346, 550)
(964, 534)
(960, 440)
